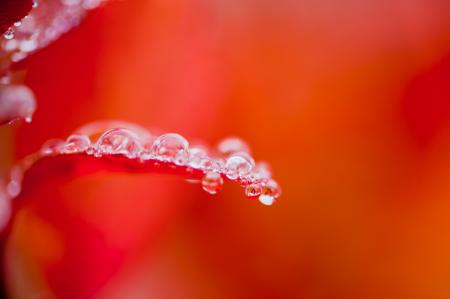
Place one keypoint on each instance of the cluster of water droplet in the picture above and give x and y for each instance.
(231, 159)
(47, 20)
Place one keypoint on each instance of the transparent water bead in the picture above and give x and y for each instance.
(52, 147)
(197, 155)
(270, 192)
(253, 190)
(9, 33)
(171, 147)
(212, 182)
(76, 143)
(231, 145)
(238, 165)
(119, 141)
(16, 101)
(260, 173)
(272, 188)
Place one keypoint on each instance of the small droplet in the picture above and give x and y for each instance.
(52, 147)
(18, 23)
(35, 4)
(212, 182)
(232, 145)
(171, 147)
(253, 190)
(76, 143)
(119, 141)
(238, 165)
(9, 33)
(267, 200)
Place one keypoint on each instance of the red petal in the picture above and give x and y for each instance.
(12, 11)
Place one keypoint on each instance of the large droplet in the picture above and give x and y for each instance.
(212, 182)
(272, 188)
(270, 192)
(119, 141)
(16, 101)
(232, 145)
(253, 190)
(52, 147)
(171, 147)
(261, 172)
(76, 143)
(197, 155)
(238, 165)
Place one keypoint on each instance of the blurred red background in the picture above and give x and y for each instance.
(348, 100)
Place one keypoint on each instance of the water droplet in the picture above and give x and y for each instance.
(35, 4)
(28, 45)
(9, 33)
(169, 147)
(76, 143)
(196, 156)
(232, 145)
(16, 101)
(253, 190)
(272, 188)
(13, 188)
(238, 165)
(267, 200)
(261, 172)
(181, 158)
(212, 182)
(18, 23)
(119, 141)
(52, 147)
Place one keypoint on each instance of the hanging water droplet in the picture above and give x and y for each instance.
(76, 143)
(170, 147)
(253, 190)
(119, 141)
(9, 33)
(267, 200)
(272, 188)
(52, 147)
(238, 165)
(212, 182)
(232, 145)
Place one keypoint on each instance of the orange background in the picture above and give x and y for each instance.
(348, 100)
